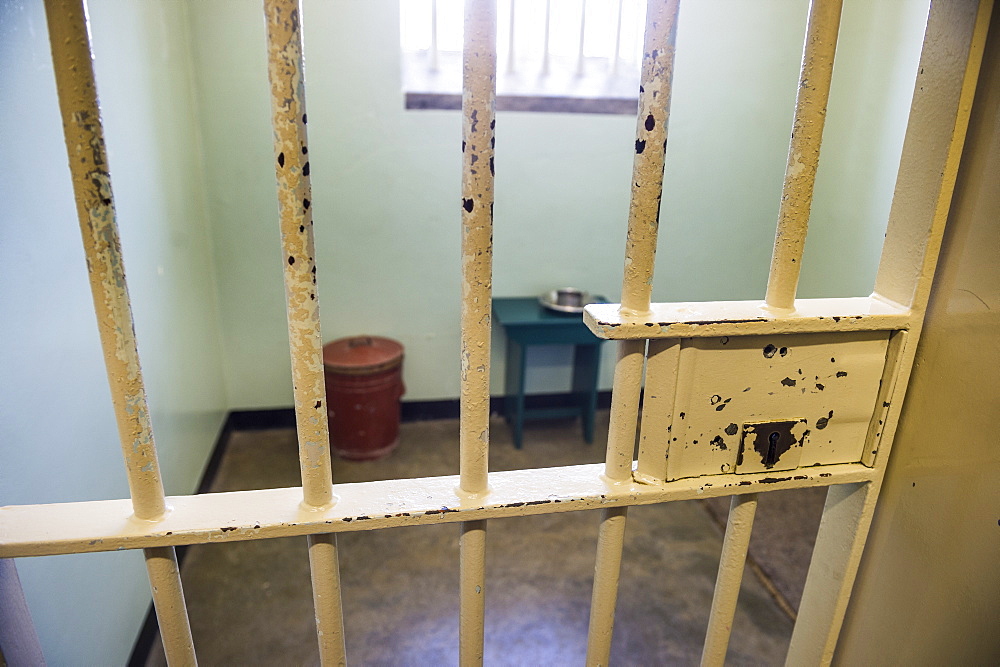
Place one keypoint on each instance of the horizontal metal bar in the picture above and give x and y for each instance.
(745, 318)
(107, 525)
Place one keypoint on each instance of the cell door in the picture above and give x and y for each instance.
(741, 397)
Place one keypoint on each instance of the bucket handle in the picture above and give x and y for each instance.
(360, 340)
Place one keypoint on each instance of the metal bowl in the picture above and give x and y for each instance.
(566, 300)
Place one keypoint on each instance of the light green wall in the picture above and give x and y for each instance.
(185, 100)
(58, 440)
(386, 181)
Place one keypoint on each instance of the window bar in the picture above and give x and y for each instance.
(583, 26)
(287, 80)
(545, 43)
(510, 40)
(478, 122)
(618, 41)
(742, 509)
(640, 250)
(803, 152)
(434, 36)
(78, 103)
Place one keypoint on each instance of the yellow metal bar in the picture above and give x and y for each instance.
(624, 409)
(291, 152)
(325, 567)
(77, 89)
(727, 585)
(479, 67)
(650, 154)
(939, 116)
(103, 525)
(640, 252)
(95, 208)
(803, 151)
(168, 600)
(478, 109)
(472, 592)
(747, 318)
(607, 568)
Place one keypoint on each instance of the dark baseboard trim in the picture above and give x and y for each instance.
(258, 420)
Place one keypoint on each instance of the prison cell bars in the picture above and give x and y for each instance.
(80, 109)
(640, 251)
(818, 53)
(286, 77)
(942, 99)
(479, 66)
(803, 152)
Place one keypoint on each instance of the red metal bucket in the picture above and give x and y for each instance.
(364, 382)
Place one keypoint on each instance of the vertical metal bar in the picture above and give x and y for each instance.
(607, 568)
(803, 152)
(291, 150)
(650, 154)
(840, 542)
(727, 585)
(19, 643)
(478, 111)
(618, 40)
(434, 35)
(472, 592)
(288, 105)
(939, 116)
(324, 564)
(478, 105)
(168, 600)
(545, 44)
(95, 208)
(640, 249)
(78, 103)
(583, 26)
(510, 40)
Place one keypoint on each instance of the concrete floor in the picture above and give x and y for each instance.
(250, 602)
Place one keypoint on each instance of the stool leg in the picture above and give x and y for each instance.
(586, 368)
(513, 402)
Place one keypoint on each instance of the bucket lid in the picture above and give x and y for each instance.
(362, 354)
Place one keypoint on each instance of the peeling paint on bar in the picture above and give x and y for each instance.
(286, 76)
(479, 68)
(95, 208)
(105, 525)
(712, 319)
(72, 62)
(288, 107)
(803, 152)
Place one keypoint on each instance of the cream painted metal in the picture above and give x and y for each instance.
(479, 85)
(88, 163)
(286, 76)
(698, 359)
(640, 251)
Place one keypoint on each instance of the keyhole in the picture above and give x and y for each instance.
(772, 449)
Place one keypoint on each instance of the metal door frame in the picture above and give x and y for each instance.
(948, 69)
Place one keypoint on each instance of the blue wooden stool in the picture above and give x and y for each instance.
(526, 322)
